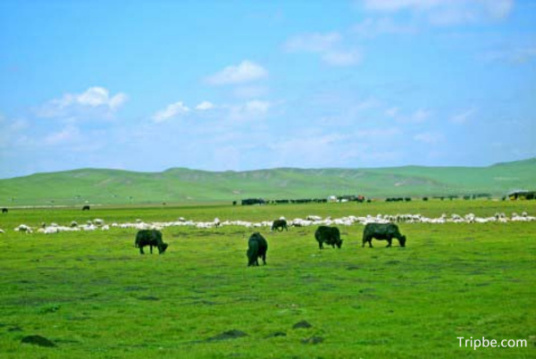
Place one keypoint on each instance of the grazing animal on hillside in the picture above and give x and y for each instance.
(252, 201)
(382, 231)
(329, 235)
(4, 210)
(85, 208)
(151, 238)
(257, 248)
(279, 224)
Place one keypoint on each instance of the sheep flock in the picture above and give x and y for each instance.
(311, 220)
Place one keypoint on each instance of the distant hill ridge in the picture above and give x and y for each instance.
(108, 186)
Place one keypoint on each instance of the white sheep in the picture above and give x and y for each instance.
(23, 228)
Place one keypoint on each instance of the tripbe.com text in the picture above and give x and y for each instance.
(491, 343)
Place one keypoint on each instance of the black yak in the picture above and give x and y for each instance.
(85, 208)
(383, 231)
(329, 235)
(279, 224)
(150, 237)
(257, 248)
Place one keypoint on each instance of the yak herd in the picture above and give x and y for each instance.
(258, 246)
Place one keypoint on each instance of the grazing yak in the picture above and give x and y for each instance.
(329, 235)
(4, 210)
(279, 224)
(150, 237)
(85, 208)
(257, 248)
(383, 231)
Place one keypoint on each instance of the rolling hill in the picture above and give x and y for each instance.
(182, 185)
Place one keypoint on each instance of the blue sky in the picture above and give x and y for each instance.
(240, 85)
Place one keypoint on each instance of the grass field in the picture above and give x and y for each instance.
(94, 296)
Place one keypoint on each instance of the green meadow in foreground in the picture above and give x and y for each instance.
(94, 296)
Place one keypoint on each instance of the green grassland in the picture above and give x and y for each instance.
(95, 296)
(180, 185)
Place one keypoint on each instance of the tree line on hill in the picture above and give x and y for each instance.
(527, 195)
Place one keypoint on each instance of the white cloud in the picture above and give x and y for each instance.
(516, 56)
(347, 112)
(429, 137)
(308, 143)
(314, 42)
(341, 58)
(396, 5)
(463, 117)
(369, 103)
(245, 111)
(314, 148)
(250, 110)
(257, 106)
(68, 134)
(524, 55)
(205, 105)
(92, 98)
(378, 133)
(117, 101)
(246, 71)
(9, 130)
(418, 116)
(173, 110)
(372, 27)
(392, 112)
(499, 9)
(250, 91)
(328, 45)
(443, 12)
(19, 125)
(308, 149)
